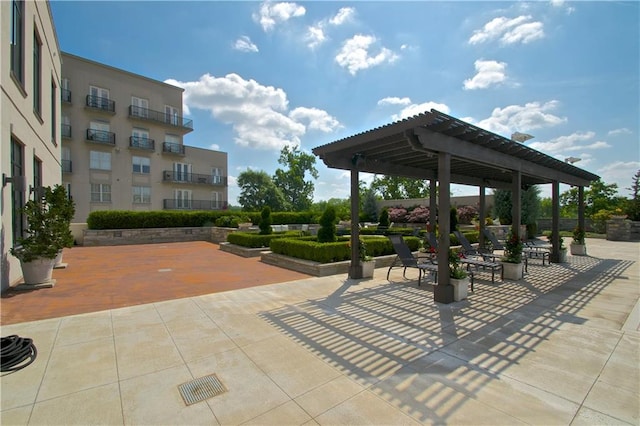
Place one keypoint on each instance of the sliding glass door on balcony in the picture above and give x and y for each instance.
(181, 172)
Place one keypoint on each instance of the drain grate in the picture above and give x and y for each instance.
(200, 389)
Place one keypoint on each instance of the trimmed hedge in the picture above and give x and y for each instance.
(309, 249)
(127, 219)
(253, 240)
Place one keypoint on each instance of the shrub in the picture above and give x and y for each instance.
(327, 231)
(397, 214)
(265, 221)
(420, 214)
(453, 219)
(253, 240)
(512, 249)
(466, 214)
(384, 218)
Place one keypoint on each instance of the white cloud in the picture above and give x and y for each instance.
(315, 36)
(509, 31)
(271, 14)
(345, 14)
(355, 54)
(317, 119)
(416, 109)
(487, 73)
(259, 114)
(621, 131)
(522, 118)
(568, 143)
(394, 101)
(562, 4)
(620, 172)
(244, 44)
(214, 146)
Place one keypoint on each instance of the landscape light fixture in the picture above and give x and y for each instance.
(521, 137)
(572, 160)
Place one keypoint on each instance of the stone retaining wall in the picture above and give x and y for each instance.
(620, 229)
(319, 269)
(116, 237)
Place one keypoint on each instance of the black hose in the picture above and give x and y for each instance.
(14, 351)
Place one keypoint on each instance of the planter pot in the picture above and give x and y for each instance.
(512, 271)
(563, 256)
(578, 249)
(37, 271)
(368, 268)
(460, 288)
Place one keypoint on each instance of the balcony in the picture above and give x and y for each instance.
(66, 166)
(66, 131)
(65, 94)
(101, 104)
(142, 143)
(173, 148)
(174, 121)
(101, 136)
(172, 204)
(181, 177)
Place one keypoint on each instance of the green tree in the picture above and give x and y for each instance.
(258, 190)
(396, 187)
(296, 190)
(633, 205)
(327, 231)
(369, 206)
(529, 203)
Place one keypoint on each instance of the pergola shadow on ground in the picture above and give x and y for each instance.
(392, 337)
(444, 150)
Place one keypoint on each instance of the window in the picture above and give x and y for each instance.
(141, 195)
(182, 172)
(216, 176)
(171, 115)
(67, 187)
(171, 138)
(98, 97)
(17, 39)
(17, 196)
(139, 107)
(54, 115)
(182, 198)
(37, 172)
(216, 198)
(66, 127)
(65, 158)
(100, 193)
(64, 88)
(141, 165)
(37, 74)
(140, 138)
(99, 131)
(99, 160)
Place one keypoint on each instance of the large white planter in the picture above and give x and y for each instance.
(578, 249)
(563, 256)
(37, 271)
(512, 271)
(460, 288)
(367, 268)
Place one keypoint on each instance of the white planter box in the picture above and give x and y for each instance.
(512, 271)
(460, 288)
(578, 249)
(367, 268)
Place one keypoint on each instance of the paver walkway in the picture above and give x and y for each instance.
(560, 347)
(100, 278)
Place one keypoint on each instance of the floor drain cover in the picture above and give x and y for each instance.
(200, 389)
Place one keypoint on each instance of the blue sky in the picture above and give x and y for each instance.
(261, 75)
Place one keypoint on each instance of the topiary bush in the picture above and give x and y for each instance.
(384, 219)
(327, 231)
(265, 221)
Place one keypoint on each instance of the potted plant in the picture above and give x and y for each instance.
(562, 250)
(368, 263)
(578, 246)
(512, 268)
(458, 277)
(48, 217)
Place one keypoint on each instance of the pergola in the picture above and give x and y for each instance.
(445, 150)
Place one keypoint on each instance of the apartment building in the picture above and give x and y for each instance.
(122, 144)
(30, 140)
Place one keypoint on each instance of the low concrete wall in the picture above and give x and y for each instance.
(242, 251)
(565, 224)
(315, 268)
(115, 237)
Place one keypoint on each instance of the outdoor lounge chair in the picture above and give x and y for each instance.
(495, 243)
(405, 259)
(470, 251)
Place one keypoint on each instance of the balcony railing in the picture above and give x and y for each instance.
(65, 94)
(101, 136)
(104, 104)
(173, 148)
(160, 117)
(66, 131)
(172, 204)
(173, 176)
(142, 143)
(66, 166)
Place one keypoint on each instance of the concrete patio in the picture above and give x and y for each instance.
(560, 347)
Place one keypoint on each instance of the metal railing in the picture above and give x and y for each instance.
(65, 94)
(142, 143)
(173, 176)
(173, 204)
(101, 136)
(173, 148)
(66, 130)
(159, 116)
(104, 104)
(66, 166)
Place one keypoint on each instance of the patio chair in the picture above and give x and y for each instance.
(470, 251)
(405, 259)
(495, 243)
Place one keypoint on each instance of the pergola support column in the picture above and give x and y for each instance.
(355, 269)
(555, 222)
(581, 208)
(482, 214)
(443, 292)
(433, 205)
(516, 203)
